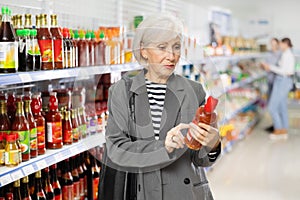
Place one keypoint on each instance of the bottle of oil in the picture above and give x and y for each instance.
(8, 44)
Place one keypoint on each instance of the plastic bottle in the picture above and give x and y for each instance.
(68, 62)
(83, 51)
(47, 186)
(21, 126)
(67, 181)
(75, 50)
(75, 127)
(45, 43)
(90, 37)
(100, 50)
(39, 193)
(8, 44)
(57, 43)
(54, 124)
(25, 194)
(11, 151)
(40, 123)
(55, 183)
(204, 114)
(67, 128)
(34, 56)
(75, 44)
(28, 22)
(17, 192)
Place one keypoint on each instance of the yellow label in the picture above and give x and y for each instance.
(8, 55)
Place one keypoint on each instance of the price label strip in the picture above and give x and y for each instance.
(5, 180)
(17, 175)
(29, 169)
(41, 164)
(25, 77)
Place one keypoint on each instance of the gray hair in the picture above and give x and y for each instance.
(155, 29)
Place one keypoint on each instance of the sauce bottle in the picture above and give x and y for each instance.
(21, 126)
(48, 189)
(76, 180)
(11, 106)
(2, 150)
(45, 43)
(83, 122)
(204, 114)
(75, 127)
(40, 123)
(11, 151)
(8, 44)
(81, 176)
(54, 124)
(55, 183)
(74, 50)
(58, 43)
(67, 128)
(96, 171)
(2, 193)
(89, 174)
(90, 37)
(85, 173)
(32, 127)
(83, 51)
(34, 56)
(31, 184)
(100, 50)
(21, 50)
(67, 181)
(17, 192)
(39, 193)
(24, 189)
(28, 22)
(80, 128)
(4, 121)
(75, 45)
(68, 54)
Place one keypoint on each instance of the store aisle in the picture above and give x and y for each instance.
(258, 168)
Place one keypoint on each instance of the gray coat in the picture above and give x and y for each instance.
(162, 176)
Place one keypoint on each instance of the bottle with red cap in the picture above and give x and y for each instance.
(36, 107)
(54, 124)
(4, 121)
(68, 49)
(11, 151)
(204, 114)
(11, 107)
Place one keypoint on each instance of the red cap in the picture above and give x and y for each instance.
(211, 104)
(53, 103)
(35, 104)
(11, 137)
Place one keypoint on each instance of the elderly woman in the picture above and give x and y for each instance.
(149, 116)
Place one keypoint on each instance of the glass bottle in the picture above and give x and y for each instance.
(76, 180)
(21, 126)
(80, 128)
(84, 168)
(2, 150)
(31, 184)
(34, 52)
(45, 43)
(37, 21)
(55, 183)
(17, 192)
(54, 124)
(74, 121)
(83, 51)
(68, 63)
(11, 151)
(67, 128)
(47, 186)
(39, 193)
(8, 44)
(9, 193)
(40, 123)
(2, 193)
(58, 43)
(19, 23)
(83, 122)
(11, 106)
(32, 127)
(4, 121)
(28, 22)
(90, 37)
(89, 175)
(75, 44)
(81, 176)
(25, 194)
(204, 114)
(96, 171)
(67, 181)
(21, 50)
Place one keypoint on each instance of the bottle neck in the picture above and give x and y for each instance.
(6, 18)
(20, 110)
(54, 23)
(27, 108)
(3, 109)
(28, 23)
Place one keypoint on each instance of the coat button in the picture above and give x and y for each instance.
(187, 181)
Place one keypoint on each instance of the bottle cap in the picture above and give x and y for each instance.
(102, 35)
(88, 35)
(211, 104)
(35, 104)
(26, 32)
(93, 35)
(4, 10)
(11, 138)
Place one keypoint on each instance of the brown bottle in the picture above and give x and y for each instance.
(45, 43)
(67, 181)
(54, 124)
(90, 37)
(81, 176)
(28, 22)
(39, 193)
(8, 44)
(76, 179)
(17, 192)
(83, 51)
(4, 121)
(47, 186)
(2, 149)
(57, 43)
(96, 171)
(68, 49)
(100, 50)
(55, 183)
(75, 131)
(204, 114)
(21, 127)
(11, 106)
(40, 123)
(32, 127)
(24, 189)
(67, 128)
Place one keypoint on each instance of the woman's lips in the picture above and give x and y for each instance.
(169, 66)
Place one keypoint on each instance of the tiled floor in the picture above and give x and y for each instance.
(260, 169)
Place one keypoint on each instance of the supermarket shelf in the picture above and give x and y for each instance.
(27, 77)
(236, 112)
(8, 175)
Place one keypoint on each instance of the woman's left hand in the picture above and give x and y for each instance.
(205, 134)
(265, 66)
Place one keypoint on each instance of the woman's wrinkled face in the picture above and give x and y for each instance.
(162, 57)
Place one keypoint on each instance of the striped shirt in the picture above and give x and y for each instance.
(156, 96)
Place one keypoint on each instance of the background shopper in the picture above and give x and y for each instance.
(164, 104)
(283, 83)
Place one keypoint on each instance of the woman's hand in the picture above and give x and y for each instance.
(265, 66)
(205, 134)
(175, 139)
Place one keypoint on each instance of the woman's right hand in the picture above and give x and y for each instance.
(175, 139)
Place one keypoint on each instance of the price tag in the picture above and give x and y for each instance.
(57, 157)
(17, 174)
(41, 164)
(28, 170)
(5, 180)
(75, 149)
(25, 77)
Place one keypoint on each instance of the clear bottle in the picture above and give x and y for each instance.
(21, 126)
(55, 183)
(74, 50)
(204, 114)
(17, 192)
(57, 43)
(75, 44)
(100, 50)
(11, 151)
(39, 193)
(8, 44)
(25, 193)
(67, 128)
(28, 22)
(54, 124)
(45, 44)
(34, 56)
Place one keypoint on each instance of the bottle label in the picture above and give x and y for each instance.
(2, 156)
(75, 133)
(58, 57)
(41, 137)
(93, 126)
(54, 132)
(46, 50)
(11, 157)
(76, 187)
(95, 185)
(67, 192)
(68, 136)
(33, 139)
(24, 137)
(8, 55)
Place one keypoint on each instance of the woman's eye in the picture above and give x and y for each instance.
(177, 47)
(162, 47)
